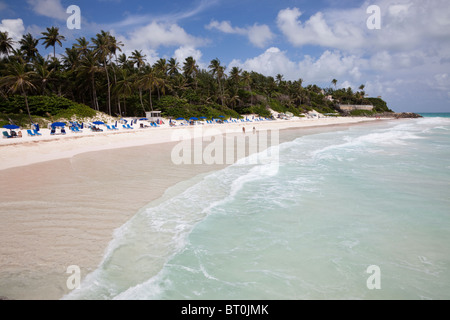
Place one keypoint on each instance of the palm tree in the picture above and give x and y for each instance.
(71, 59)
(361, 87)
(138, 58)
(87, 70)
(51, 38)
(235, 75)
(124, 88)
(190, 69)
(246, 76)
(114, 46)
(148, 81)
(6, 43)
(179, 84)
(161, 69)
(279, 78)
(102, 51)
(234, 98)
(334, 82)
(82, 46)
(28, 44)
(173, 66)
(19, 79)
(43, 74)
(219, 71)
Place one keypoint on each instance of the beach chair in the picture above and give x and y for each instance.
(36, 132)
(6, 135)
(30, 133)
(128, 126)
(114, 127)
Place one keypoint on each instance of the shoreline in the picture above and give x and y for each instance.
(47, 148)
(40, 240)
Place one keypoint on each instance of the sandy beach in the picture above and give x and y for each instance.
(63, 196)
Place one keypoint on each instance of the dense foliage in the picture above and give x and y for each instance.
(96, 74)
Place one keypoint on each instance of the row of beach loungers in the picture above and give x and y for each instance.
(226, 121)
(76, 128)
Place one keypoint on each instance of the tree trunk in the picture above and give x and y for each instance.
(109, 87)
(151, 103)
(94, 94)
(140, 97)
(26, 104)
(115, 84)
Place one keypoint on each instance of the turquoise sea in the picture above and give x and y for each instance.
(338, 203)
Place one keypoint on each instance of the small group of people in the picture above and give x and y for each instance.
(96, 129)
(16, 134)
(254, 130)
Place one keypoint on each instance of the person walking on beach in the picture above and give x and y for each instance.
(243, 129)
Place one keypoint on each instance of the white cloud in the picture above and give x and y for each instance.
(406, 60)
(316, 31)
(187, 51)
(49, 8)
(406, 24)
(313, 70)
(225, 26)
(272, 62)
(155, 35)
(14, 27)
(259, 35)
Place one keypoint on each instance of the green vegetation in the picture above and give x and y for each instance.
(362, 113)
(46, 106)
(379, 105)
(93, 75)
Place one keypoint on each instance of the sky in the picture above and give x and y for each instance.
(397, 49)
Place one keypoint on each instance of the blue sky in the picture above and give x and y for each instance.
(406, 61)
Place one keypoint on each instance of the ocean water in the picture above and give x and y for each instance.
(305, 227)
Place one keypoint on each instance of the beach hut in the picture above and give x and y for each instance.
(153, 116)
